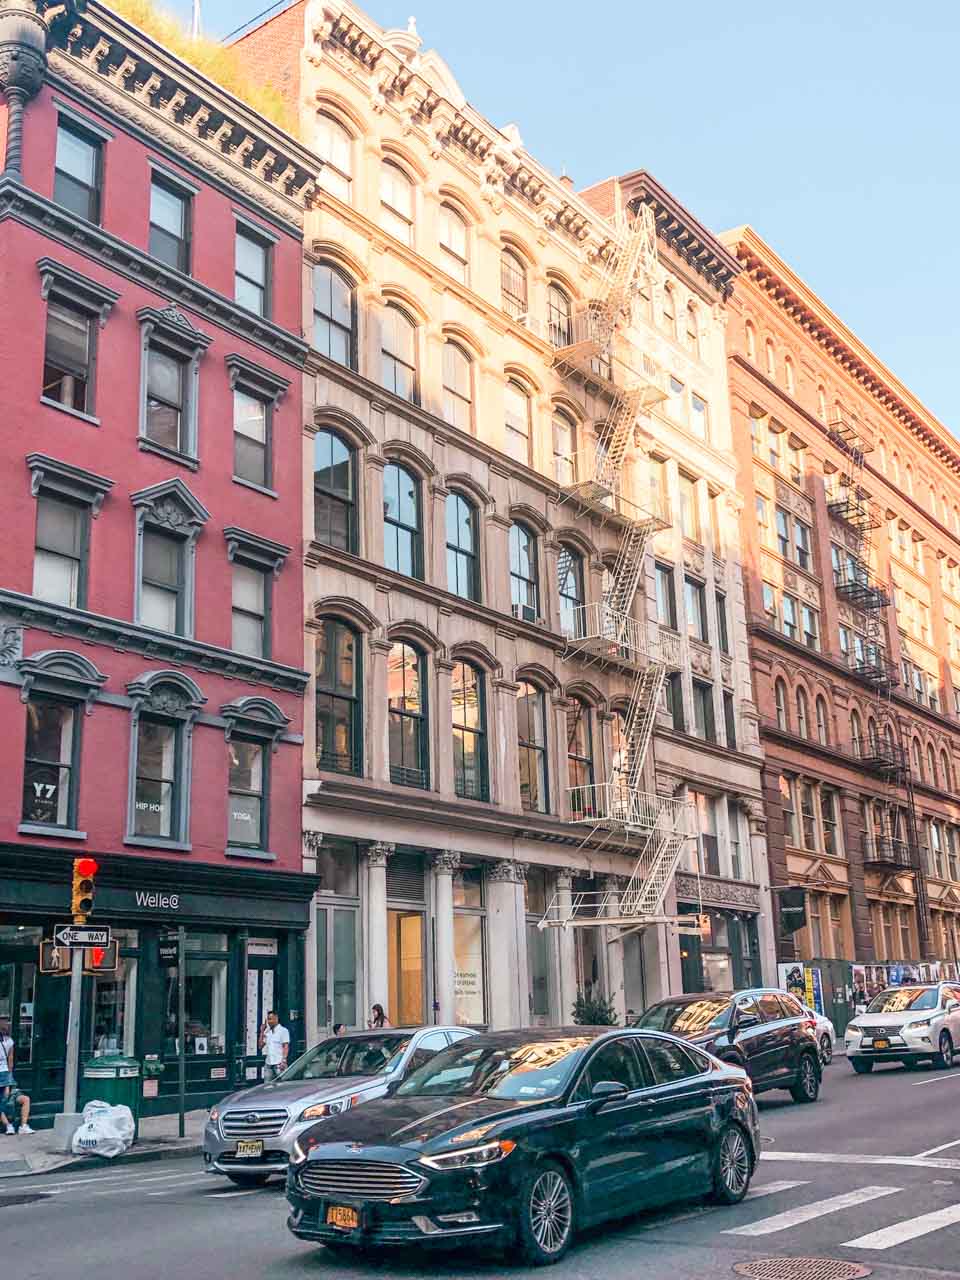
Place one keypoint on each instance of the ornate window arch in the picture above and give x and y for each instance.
(165, 706)
(334, 144)
(454, 240)
(570, 588)
(780, 702)
(823, 720)
(335, 515)
(169, 522)
(397, 200)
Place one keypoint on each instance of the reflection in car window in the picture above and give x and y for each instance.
(530, 1071)
(616, 1061)
(748, 1004)
(901, 998)
(687, 1017)
(670, 1062)
(771, 1008)
(353, 1056)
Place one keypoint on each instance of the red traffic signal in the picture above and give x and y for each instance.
(81, 901)
(86, 866)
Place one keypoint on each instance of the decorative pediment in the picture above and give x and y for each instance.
(67, 480)
(86, 294)
(255, 717)
(170, 505)
(175, 330)
(247, 376)
(62, 673)
(251, 549)
(167, 693)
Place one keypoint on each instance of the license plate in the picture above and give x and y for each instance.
(881, 1044)
(339, 1215)
(249, 1150)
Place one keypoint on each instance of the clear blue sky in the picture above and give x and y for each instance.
(830, 127)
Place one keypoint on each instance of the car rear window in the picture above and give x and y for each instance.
(670, 1062)
(792, 1008)
(770, 1007)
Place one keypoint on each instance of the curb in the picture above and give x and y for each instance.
(145, 1156)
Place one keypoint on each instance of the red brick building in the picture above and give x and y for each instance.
(150, 585)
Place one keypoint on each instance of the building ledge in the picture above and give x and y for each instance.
(255, 855)
(155, 842)
(51, 833)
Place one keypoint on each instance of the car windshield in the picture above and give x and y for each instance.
(529, 1071)
(687, 1017)
(348, 1056)
(899, 999)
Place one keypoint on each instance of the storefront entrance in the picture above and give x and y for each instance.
(723, 956)
(37, 1013)
(337, 967)
(406, 967)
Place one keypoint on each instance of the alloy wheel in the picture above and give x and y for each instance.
(551, 1211)
(808, 1076)
(826, 1050)
(734, 1162)
(946, 1049)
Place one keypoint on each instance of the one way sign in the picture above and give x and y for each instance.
(79, 935)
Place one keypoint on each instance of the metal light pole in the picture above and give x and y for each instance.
(182, 1016)
(72, 1064)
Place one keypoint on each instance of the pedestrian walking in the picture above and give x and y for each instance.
(6, 1058)
(275, 1046)
(378, 1019)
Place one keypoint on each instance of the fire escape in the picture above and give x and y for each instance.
(617, 812)
(881, 752)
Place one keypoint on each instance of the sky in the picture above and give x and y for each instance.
(830, 127)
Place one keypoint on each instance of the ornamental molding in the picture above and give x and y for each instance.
(379, 853)
(255, 717)
(60, 672)
(11, 645)
(174, 329)
(446, 861)
(506, 872)
(71, 482)
(249, 376)
(65, 283)
(312, 842)
(166, 693)
(251, 548)
(722, 893)
(170, 505)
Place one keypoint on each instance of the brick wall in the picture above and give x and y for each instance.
(272, 51)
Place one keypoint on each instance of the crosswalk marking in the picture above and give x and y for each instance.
(807, 1212)
(858, 1158)
(943, 1147)
(771, 1189)
(909, 1229)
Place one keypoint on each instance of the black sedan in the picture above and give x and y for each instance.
(523, 1137)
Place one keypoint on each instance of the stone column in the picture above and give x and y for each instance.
(445, 863)
(497, 563)
(557, 752)
(853, 838)
(23, 64)
(378, 985)
(435, 552)
(766, 922)
(505, 770)
(508, 979)
(371, 543)
(376, 720)
(312, 840)
(441, 749)
(566, 960)
(613, 948)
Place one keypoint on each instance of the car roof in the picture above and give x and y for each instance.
(366, 1032)
(688, 997)
(541, 1035)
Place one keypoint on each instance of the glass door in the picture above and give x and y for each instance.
(406, 969)
(337, 967)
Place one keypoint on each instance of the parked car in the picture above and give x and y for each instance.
(525, 1137)
(249, 1135)
(911, 1024)
(768, 1032)
(826, 1035)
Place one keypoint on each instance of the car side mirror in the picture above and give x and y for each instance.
(746, 1020)
(392, 1088)
(606, 1091)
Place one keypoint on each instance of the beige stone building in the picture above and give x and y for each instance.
(524, 568)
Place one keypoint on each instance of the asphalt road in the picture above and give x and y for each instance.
(871, 1174)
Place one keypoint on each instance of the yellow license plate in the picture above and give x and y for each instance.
(339, 1215)
(881, 1044)
(249, 1150)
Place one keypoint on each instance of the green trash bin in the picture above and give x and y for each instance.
(114, 1079)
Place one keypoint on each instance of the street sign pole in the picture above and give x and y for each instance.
(73, 1033)
(181, 1022)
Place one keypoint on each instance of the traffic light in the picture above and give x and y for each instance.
(81, 902)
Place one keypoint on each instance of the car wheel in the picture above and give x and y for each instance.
(944, 1056)
(546, 1215)
(860, 1067)
(826, 1050)
(732, 1167)
(806, 1087)
(249, 1179)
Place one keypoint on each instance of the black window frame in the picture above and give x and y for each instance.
(580, 805)
(413, 531)
(37, 763)
(535, 752)
(184, 446)
(245, 232)
(334, 324)
(698, 614)
(262, 843)
(404, 775)
(178, 783)
(83, 560)
(571, 605)
(184, 243)
(559, 317)
(673, 694)
(397, 362)
(350, 764)
(705, 690)
(66, 124)
(463, 559)
(665, 574)
(723, 634)
(266, 619)
(460, 729)
(332, 498)
(730, 720)
(268, 407)
(88, 408)
(514, 302)
(531, 585)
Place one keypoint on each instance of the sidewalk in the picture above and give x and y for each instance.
(30, 1153)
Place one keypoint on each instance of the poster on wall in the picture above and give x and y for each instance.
(859, 994)
(815, 989)
(792, 978)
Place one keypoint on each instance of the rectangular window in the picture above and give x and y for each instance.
(763, 520)
(252, 272)
(49, 790)
(517, 423)
(773, 453)
(673, 691)
(703, 718)
(675, 406)
(251, 631)
(770, 603)
(811, 627)
(247, 817)
(695, 598)
(795, 464)
(666, 597)
(169, 224)
(156, 800)
(77, 175)
(808, 816)
(790, 617)
(788, 805)
(737, 868)
(689, 511)
(845, 641)
(723, 638)
(699, 417)
(251, 439)
(162, 589)
(783, 532)
(68, 357)
(801, 544)
(756, 436)
(166, 399)
(60, 556)
(829, 812)
(730, 719)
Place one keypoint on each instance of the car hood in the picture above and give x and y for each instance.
(280, 1094)
(413, 1122)
(892, 1020)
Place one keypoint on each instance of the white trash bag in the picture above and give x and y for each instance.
(105, 1131)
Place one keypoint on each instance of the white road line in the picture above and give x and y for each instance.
(220, 1195)
(179, 1178)
(807, 1212)
(845, 1157)
(771, 1189)
(943, 1146)
(887, 1237)
(936, 1080)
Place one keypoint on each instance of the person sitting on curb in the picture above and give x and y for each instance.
(16, 1100)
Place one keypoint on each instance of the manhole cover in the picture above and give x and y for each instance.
(801, 1269)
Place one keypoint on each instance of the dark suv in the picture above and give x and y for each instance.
(764, 1030)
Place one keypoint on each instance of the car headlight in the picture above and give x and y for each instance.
(472, 1157)
(853, 1026)
(302, 1147)
(214, 1114)
(920, 1025)
(321, 1110)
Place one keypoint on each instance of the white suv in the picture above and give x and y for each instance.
(907, 1024)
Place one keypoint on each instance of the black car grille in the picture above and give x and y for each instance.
(880, 1033)
(359, 1179)
(253, 1123)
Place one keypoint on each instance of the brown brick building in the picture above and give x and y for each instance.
(851, 546)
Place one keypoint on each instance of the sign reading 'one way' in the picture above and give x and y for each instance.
(81, 935)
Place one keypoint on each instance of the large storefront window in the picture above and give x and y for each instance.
(113, 1020)
(469, 984)
(724, 956)
(337, 966)
(205, 997)
(538, 993)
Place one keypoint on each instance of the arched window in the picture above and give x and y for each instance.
(399, 353)
(693, 330)
(338, 699)
(931, 765)
(532, 748)
(564, 450)
(823, 727)
(334, 317)
(821, 404)
(334, 492)
(780, 701)
(669, 314)
(463, 574)
(513, 284)
(524, 578)
(570, 587)
(453, 242)
(789, 379)
(396, 202)
(771, 359)
(469, 733)
(751, 336)
(402, 527)
(559, 317)
(803, 714)
(516, 420)
(945, 774)
(856, 731)
(457, 403)
(580, 759)
(917, 759)
(908, 480)
(895, 470)
(335, 148)
(407, 704)
(873, 737)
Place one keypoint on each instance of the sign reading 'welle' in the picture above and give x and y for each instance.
(151, 901)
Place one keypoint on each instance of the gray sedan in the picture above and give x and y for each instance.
(248, 1136)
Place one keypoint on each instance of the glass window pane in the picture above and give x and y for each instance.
(76, 156)
(249, 416)
(168, 210)
(158, 607)
(468, 970)
(345, 967)
(155, 778)
(68, 338)
(251, 259)
(161, 558)
(247, 633)
(249, 586)
(165, 377)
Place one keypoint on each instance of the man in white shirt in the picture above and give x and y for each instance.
(275, 1043)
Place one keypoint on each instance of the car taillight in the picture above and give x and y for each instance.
(810, 1024)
